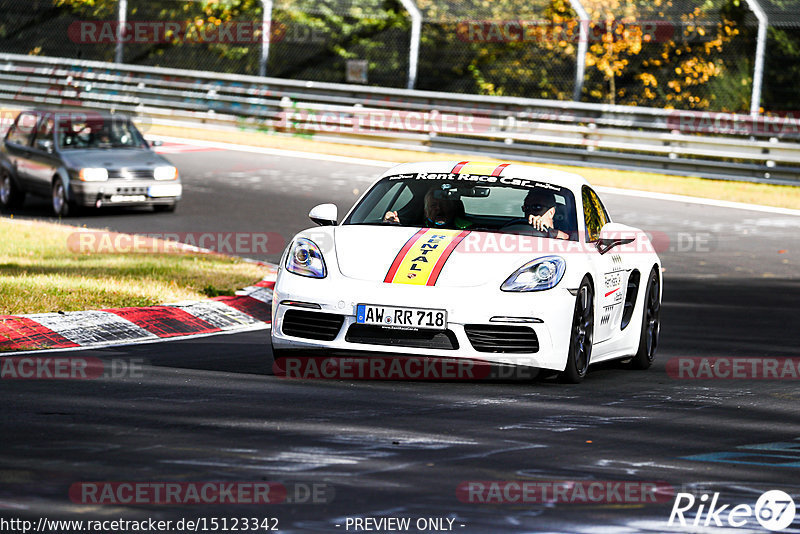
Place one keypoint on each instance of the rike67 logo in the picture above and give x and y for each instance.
(774, 510)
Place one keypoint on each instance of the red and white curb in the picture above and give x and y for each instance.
(249, 309)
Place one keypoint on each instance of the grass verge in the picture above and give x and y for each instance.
(39, 273)
(747, 192)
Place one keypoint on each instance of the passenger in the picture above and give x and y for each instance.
(540, 207)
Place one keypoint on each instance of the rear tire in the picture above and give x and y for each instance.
(581, 336)
(651, 324)
(10, 195)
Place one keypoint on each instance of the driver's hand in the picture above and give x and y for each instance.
(538, 222)
(391, 217)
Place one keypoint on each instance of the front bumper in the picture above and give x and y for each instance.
(480, 305)
(125, 192)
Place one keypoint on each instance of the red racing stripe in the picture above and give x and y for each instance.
(402, 254)
(21, 333)
(457, 168)
(612, 291)
(499, 169)
(443, 258)
(165, 321)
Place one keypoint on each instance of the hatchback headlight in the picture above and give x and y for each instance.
(537, 275)
(165, 173)
(305, 259)
(93, 175)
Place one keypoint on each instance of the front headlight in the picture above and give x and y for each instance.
(537, 275)
(165, 173)
(93, 175)
(305, 259)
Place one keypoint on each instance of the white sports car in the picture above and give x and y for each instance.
(510, 263)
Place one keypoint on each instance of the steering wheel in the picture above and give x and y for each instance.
(521, 226)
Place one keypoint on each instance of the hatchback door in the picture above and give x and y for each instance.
(18, 147)
(43, 160)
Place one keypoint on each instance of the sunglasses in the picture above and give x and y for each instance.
(537, 207)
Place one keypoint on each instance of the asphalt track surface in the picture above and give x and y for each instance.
(209, 409)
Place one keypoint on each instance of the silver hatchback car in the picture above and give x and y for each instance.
(83, 159)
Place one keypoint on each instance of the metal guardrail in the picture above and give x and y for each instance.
(764, 149)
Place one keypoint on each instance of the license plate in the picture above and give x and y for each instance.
(401, 317)
(128, 198)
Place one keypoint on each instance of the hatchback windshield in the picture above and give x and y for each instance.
(98, 132)
(473, 202)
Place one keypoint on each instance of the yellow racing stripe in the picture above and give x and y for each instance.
(421, 260)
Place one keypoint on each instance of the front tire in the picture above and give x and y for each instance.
(61, 206)
(165, 208)
(10, 195)
(651, 324)
(278, 360)
(581, 336)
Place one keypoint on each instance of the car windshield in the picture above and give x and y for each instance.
(473, 202)
(98, 132)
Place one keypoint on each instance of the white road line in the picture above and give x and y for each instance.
(276, 151)
(698, 200)
(387, 164)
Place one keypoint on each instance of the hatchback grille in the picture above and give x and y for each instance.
(312, 325)
(422, 339)
(502, 338)
(131, 174)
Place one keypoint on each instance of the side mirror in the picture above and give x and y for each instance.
(324, 214)
(45, 144)
(155, 143)
(613, 235)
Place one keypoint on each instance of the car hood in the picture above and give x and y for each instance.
(370, 252)
(112, 158)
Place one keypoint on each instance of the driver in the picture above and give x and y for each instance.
(100, 135)
(440, 211)
(539, 207)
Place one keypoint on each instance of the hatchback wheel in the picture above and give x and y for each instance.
(61, 207)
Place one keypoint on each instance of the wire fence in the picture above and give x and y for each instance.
(682, 54)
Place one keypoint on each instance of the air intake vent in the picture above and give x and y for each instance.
(312, 325)
(630, 299)
(502, 338)
(423, 339)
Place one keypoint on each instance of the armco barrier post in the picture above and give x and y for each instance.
(583, 45)
(122, 18)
